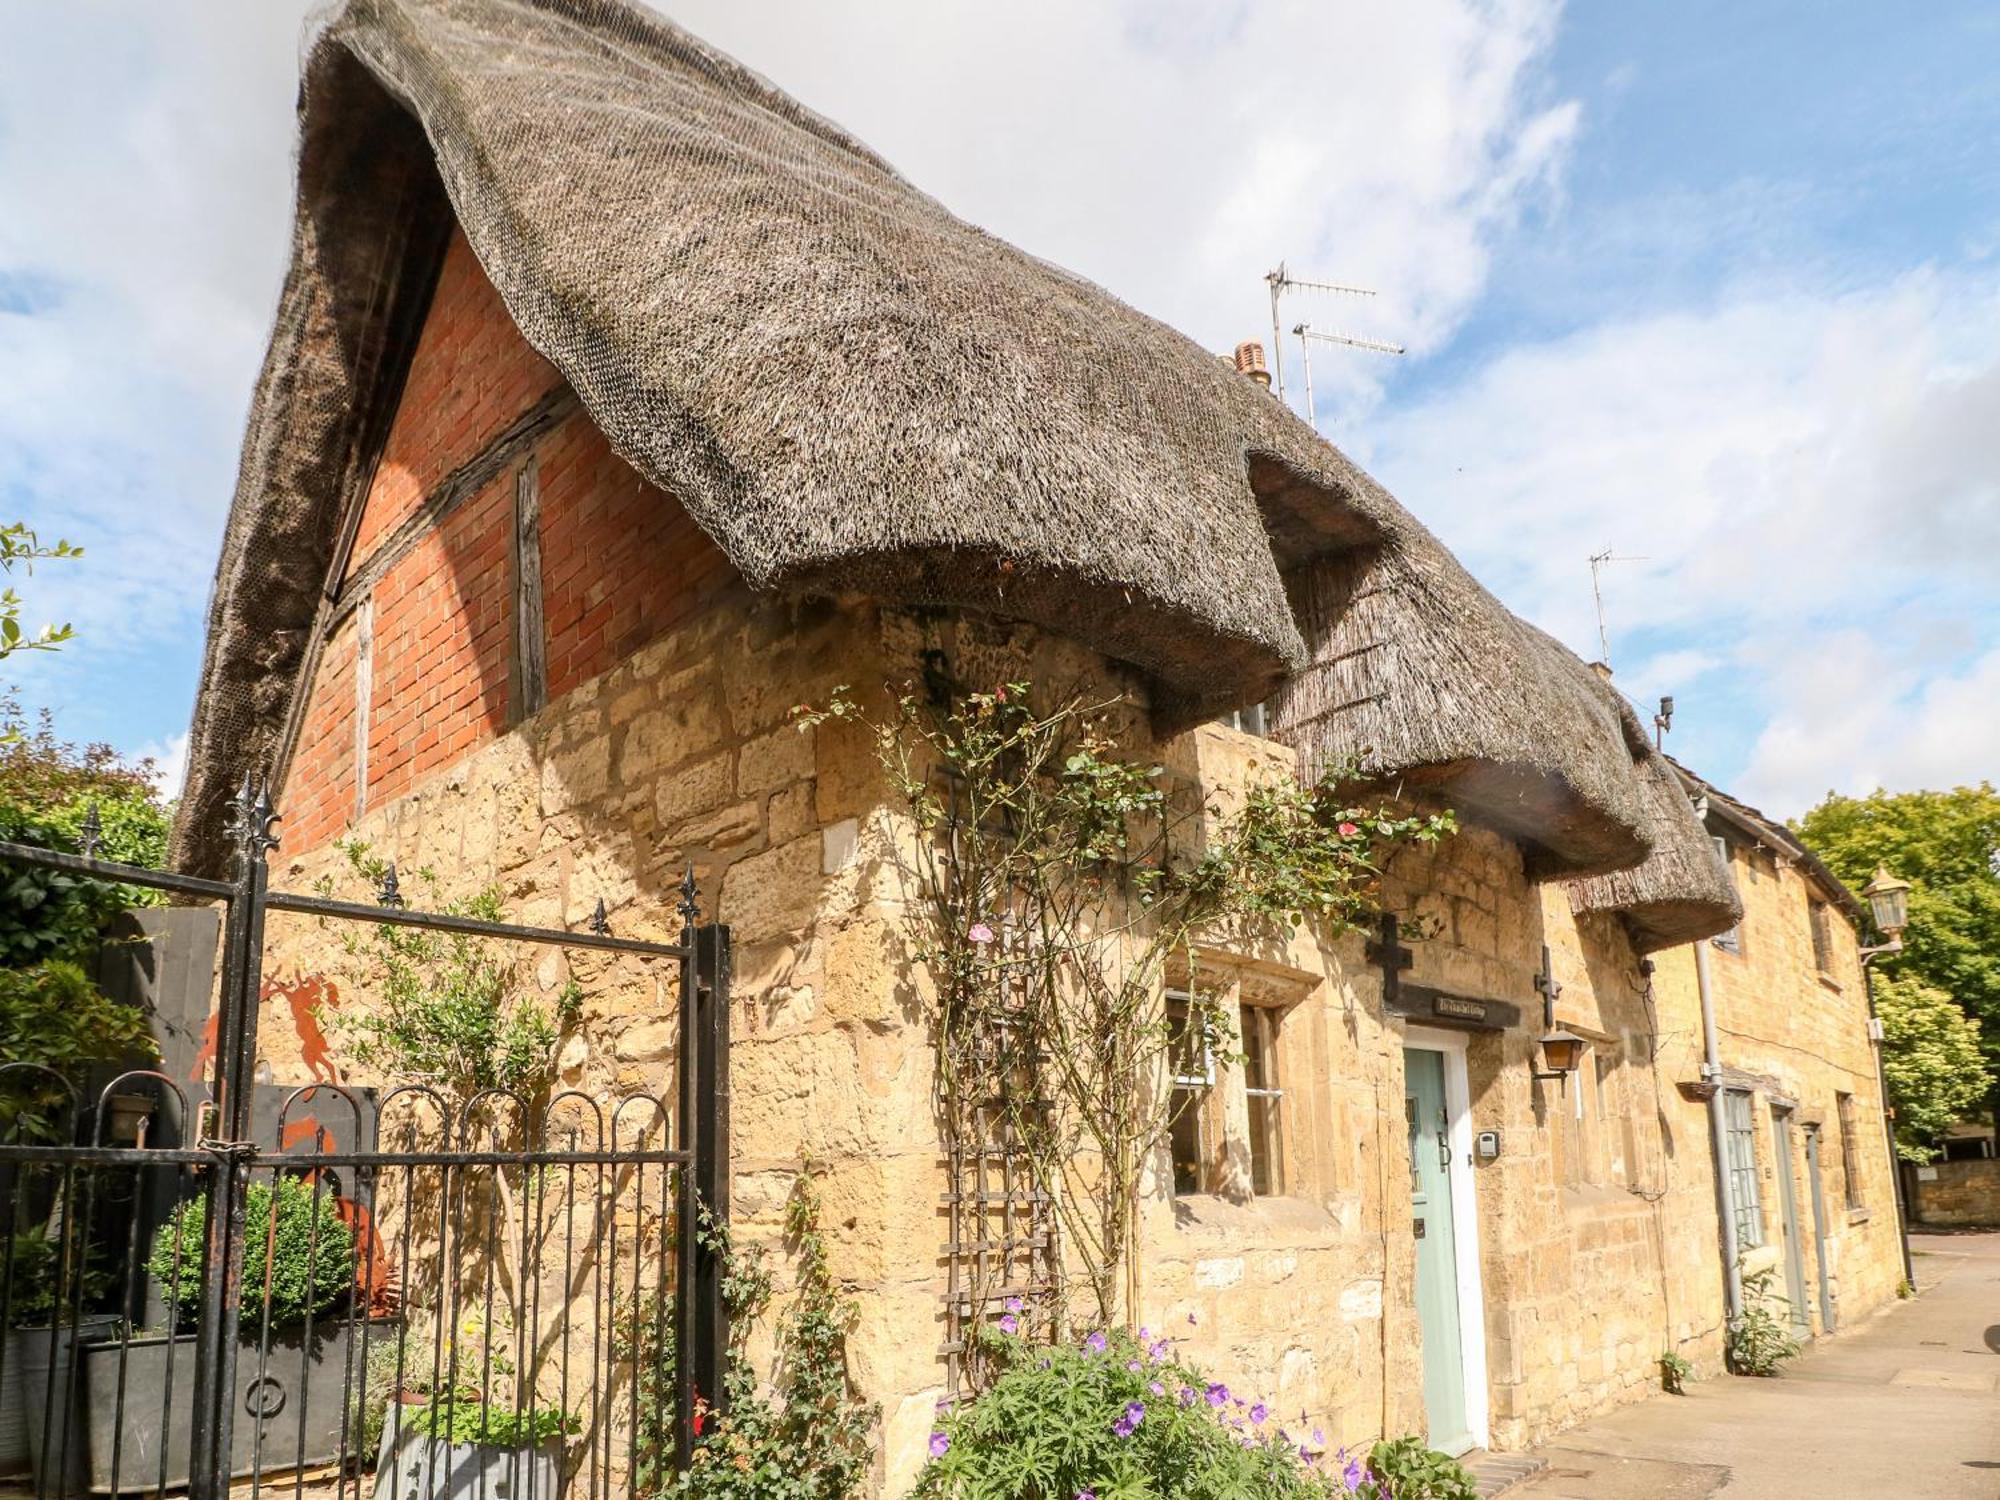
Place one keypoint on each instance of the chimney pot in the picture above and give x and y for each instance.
(1250, 361)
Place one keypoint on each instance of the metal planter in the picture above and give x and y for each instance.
(127, 1424)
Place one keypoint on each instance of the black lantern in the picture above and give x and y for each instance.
(1562, 1049)
(1888, 902)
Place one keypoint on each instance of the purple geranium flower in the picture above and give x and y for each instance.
(1259, 1412)
(1218, 1394)
(1009, 1323)
(1135, 1413)
(940, 1444)
(1096, 1343)
(1015, 1304)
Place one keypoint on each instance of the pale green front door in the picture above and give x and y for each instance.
(1438, 1309)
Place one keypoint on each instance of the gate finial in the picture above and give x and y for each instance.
(600, 920)
(90, 833)
(690, 908)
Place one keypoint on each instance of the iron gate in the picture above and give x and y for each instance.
(291, 1287)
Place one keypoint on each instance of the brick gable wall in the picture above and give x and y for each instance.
(622, 562)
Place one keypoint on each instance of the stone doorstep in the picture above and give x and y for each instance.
(1496, 1473)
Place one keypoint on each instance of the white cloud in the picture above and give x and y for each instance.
(170, 763)
(1784, 466)
(1855, 717)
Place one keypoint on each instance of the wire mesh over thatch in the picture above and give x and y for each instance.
(851, 391)
(1418, 671)
(1680, 893)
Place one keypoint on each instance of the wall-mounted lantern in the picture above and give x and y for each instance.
(1562, 1050)
(1889, 904)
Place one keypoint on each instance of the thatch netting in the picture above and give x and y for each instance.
(1680, 893)
(850, 390)
(1417, 671)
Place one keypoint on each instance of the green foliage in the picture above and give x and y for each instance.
(21, 547)
(1675, 1373)
(1947, 845)
(1761, 1340)
(1931, 1058)
(1060, 877)
(298, 1253)
(493, 1423)
(47, 788)
(809, 1439)
(1407, 1468)
(41, 1290)
(53, 1015)
(1121, 1419)
(445, 1008)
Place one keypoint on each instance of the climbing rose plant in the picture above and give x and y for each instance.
(1057, 881)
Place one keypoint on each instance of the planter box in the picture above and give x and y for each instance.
(290, 1413)
(415, 1466)
(17, 1400)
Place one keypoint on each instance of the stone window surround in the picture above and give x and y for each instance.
(1221, 1126)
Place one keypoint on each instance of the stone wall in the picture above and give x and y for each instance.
(1953, 1194)
(1795, 1037)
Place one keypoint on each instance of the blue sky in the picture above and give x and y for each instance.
(1716, 287)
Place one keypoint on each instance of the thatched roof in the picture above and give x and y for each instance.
(1680, 893)
(850, 390)
(1418, 671)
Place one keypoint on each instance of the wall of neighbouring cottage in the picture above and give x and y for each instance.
(1954, 1194)
(1792, 1024)
(664, 738)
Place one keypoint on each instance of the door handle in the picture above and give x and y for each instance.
(1444, 1147)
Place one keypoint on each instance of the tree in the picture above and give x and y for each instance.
(48, 788)
(19, 545)
(1947, 845)
(1931, 1057)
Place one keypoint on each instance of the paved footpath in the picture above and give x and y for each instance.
(1906, 1405)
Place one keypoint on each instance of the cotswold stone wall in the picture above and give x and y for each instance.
(1956, 1193)
(1795, 1036)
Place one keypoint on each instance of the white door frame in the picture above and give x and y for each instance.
(1465, 1223)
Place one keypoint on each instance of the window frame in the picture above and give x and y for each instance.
(1819, 919)
(1850, 1152)
(1188, 1121)
(1264, 1100)
(1746, 1192)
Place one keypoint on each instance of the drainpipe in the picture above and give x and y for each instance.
(1718, 1138)
(1888, 1126)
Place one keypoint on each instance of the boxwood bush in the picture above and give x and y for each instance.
(304, 1249)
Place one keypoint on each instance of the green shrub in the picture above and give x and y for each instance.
(1760, 1340)
(1409, 1469)
(310, 1259)
(36, 1282)
(1121, 1417)
(53, 1015)
(493, 1423)
(809, 1439)
(47, 787)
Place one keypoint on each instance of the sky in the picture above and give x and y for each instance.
(1712, 288)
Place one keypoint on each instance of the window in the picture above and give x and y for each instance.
(1251, 720)
(1193, 1065)
(1265, 1098)
(1740, 1124)
(1850, 1151)
(1821, 917)
(1732, 940)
